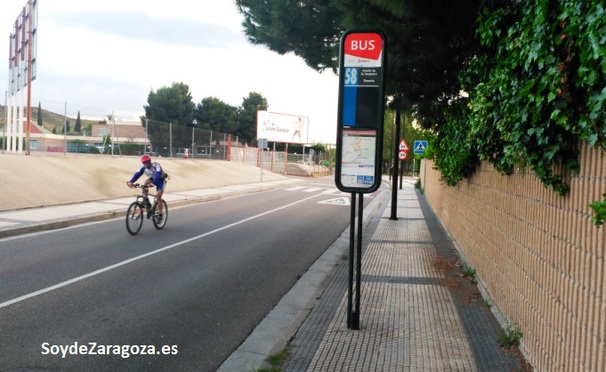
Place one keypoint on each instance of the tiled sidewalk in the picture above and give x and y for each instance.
(417, 313)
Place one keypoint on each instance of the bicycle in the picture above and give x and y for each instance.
(141, 208)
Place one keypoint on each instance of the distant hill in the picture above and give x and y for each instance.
(50, 120)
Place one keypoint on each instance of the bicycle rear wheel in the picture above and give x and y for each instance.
(134, 218)
(160, 221)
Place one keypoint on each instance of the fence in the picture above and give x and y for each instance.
(188, 141)
(538, 255)
(311, 164)
(163, 139)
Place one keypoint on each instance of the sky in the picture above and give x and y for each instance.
(105, 57)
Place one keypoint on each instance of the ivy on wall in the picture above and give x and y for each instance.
(534, 90)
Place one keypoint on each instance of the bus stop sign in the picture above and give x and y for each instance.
(360, 115)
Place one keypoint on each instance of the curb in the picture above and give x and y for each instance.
(278, 327)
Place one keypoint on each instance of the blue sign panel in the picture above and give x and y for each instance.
(366, 180)
(420, 147)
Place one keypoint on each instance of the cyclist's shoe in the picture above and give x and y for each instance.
(159, 217)
(149, 213)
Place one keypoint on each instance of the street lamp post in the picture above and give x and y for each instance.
(193, 127)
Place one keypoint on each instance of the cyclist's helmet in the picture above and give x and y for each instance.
(145, 158)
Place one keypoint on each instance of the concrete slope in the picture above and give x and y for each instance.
(44, 180)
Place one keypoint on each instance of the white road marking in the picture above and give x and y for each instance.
(312, 189)
(296, 188)
(327, 192)
(344, 200)
(119, 264)
(337, 201)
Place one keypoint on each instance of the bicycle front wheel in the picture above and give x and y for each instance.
(134, 218)
(160, 220)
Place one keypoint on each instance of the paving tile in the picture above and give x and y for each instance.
(413, 316)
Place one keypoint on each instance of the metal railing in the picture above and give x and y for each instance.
(282, 163)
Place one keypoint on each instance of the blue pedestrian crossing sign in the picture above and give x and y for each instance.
(420, 147)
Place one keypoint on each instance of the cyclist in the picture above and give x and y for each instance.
(155, 176)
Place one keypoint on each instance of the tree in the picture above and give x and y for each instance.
(172, 105)
(66, 129)
(78, 125)
(214, 114)
(39, 115)
(247, 115)
(309, 28)
(130, 148)
(107, 144)
(427, 42)
(89, 128)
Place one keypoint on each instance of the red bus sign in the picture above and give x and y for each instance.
(360, 115)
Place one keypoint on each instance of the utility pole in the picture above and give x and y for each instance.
(65, 129)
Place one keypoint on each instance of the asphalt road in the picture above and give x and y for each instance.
(188, 294)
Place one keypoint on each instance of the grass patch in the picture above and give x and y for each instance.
(510, 337)
(418, 186)
(468, 272)
(276, 361)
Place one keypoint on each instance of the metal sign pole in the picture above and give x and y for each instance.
(359, 139)
(352, 234)
(396, 163)
(354, 294)
(401, 174)
(261, 144)
(356, 318)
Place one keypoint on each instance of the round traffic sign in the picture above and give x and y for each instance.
(402, 155)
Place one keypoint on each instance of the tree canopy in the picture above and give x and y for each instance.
(214, 114)
(78, 125)
(247, 115)
(427, 42)
(40, 123)
(174, 105)
(171, 104)
(533, 74)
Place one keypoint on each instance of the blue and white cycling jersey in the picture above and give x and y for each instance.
(154, 172)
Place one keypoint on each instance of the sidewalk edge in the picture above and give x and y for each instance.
(274, 332)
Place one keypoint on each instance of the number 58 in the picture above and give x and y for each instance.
(351, 76)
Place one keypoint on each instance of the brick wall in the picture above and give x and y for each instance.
(538, 255)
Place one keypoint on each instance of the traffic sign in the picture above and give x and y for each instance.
(403, 145)
(402, 155)
(420, 147)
